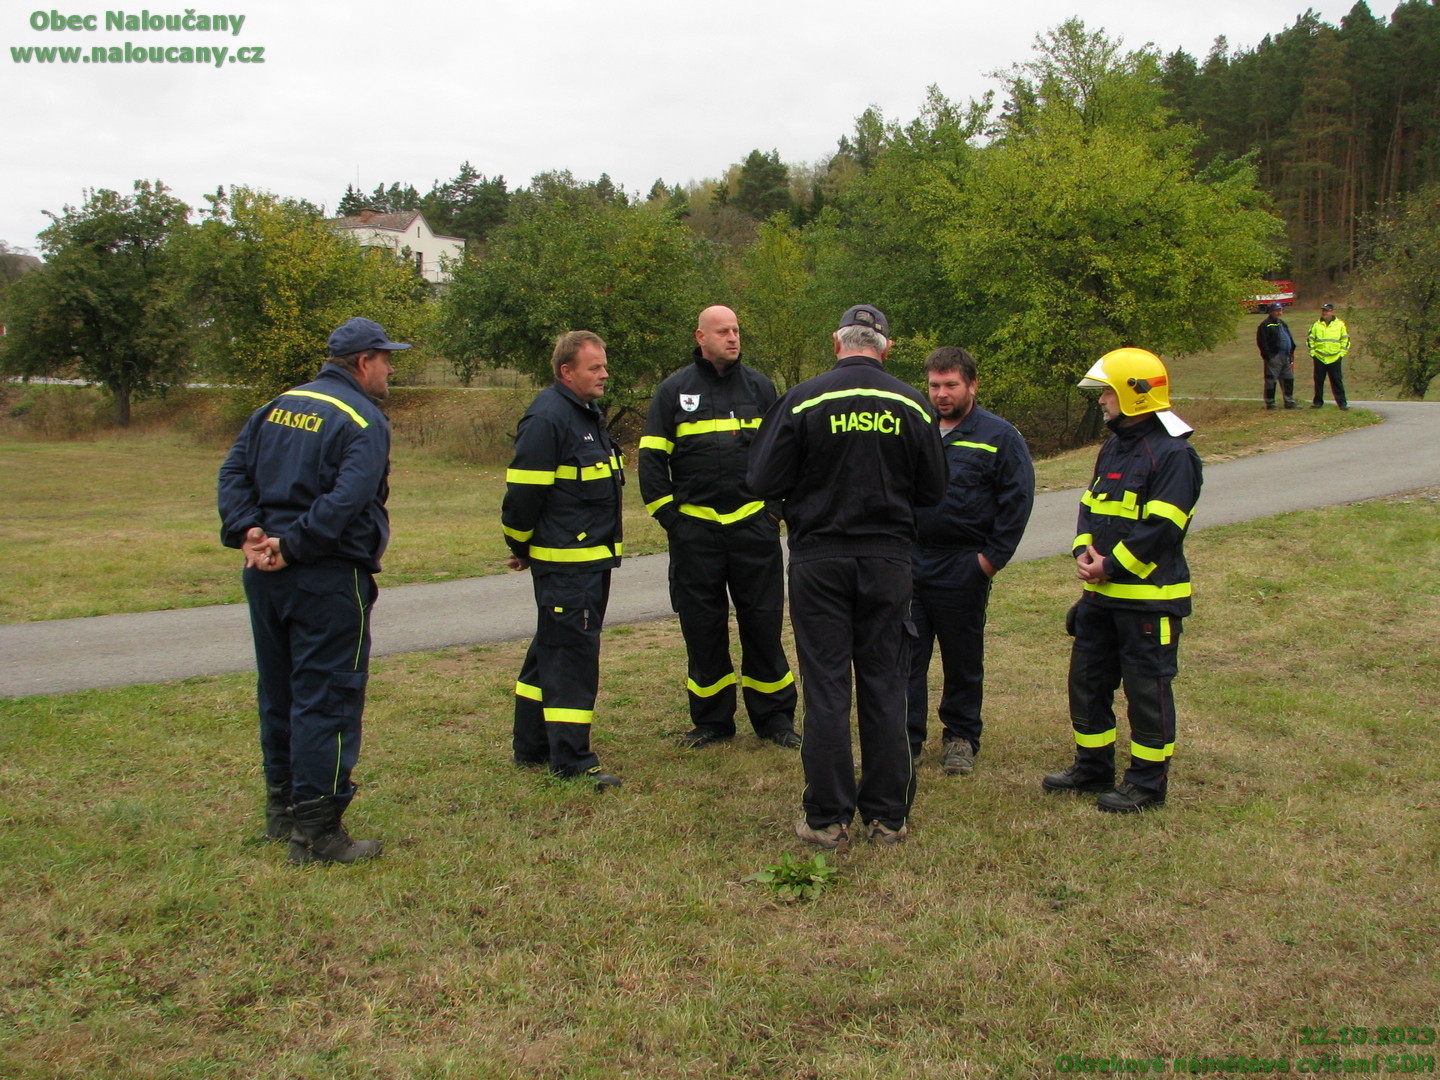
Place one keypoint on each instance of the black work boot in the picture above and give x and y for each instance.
(279, 819)
(1077, 778)
(319, 836)
(1129, 799)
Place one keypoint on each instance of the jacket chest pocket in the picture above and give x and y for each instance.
(1109, 496)
(594, 473)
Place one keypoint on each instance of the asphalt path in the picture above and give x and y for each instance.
(64, 655)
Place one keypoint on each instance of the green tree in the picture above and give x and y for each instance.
(103, 307)
(572, 256)
(1084, 227)
(784, 321)
(1401, 276)
(268, 280)
(764, 186)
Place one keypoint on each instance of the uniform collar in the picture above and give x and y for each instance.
(852, 361)
(574, 398)
(335, 371)
(707, 367)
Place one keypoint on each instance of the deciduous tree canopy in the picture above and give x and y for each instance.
(104, 306)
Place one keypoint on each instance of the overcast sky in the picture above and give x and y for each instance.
(367, 91)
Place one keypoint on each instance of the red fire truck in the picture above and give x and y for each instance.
(1280, 292)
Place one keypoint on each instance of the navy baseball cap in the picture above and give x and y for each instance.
(357, 335)
(1277, 307)
(1327, 307)
(865, 315)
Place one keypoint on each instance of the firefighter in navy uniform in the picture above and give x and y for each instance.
(1130, 555)
(852, 453)
(962, 544)
(561, 519)
(302, 494)
(724, 542)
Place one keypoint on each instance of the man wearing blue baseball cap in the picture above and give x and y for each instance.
(302, 494)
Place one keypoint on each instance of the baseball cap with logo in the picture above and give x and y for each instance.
(865, 315)
(1327, 307)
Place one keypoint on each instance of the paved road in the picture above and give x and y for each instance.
(64, 655)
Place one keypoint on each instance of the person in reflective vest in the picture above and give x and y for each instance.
(1329, 342)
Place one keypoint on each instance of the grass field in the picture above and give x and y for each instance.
(522, 928)
(1233, 369)
(77, 511)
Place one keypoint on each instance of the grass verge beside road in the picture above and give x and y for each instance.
(128, 523)
(524, 928)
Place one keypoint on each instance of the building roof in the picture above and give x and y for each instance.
(373, 219)
(396, 222)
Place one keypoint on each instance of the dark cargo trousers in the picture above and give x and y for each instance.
(949, 603)
(852, 613)
(555, 693)
(311, 626)
(1139, 650)
(712, 566)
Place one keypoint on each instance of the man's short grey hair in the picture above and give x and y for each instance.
(855, 338)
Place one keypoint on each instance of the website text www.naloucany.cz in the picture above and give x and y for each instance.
(130, 52)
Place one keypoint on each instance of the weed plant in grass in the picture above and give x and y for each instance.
(518, 927)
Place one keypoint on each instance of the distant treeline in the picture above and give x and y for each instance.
(1339, 120)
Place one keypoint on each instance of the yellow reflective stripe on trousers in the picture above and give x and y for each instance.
(1104, 738)
(664, 500)
(657, 442)
(1141, 592)
(574, 555)
(1149, 753)
(710, 427)
(768, 687)
(1099, 504)
(529, 476)
(889, 395)
(1169, 511)
(360, 607)
(705, 512)
(569, 716)
(1127, 559)
(528, 691)
(1165, 635)
(346, 409)
(711, 690)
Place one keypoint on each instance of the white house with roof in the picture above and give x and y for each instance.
(399, 231)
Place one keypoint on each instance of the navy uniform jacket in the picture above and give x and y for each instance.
(851, 452)
(312, 469)
(990, 494)
(1136, 512)
(562, 490)
(697, 441)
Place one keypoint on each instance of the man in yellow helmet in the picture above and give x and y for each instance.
(1130, 557)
